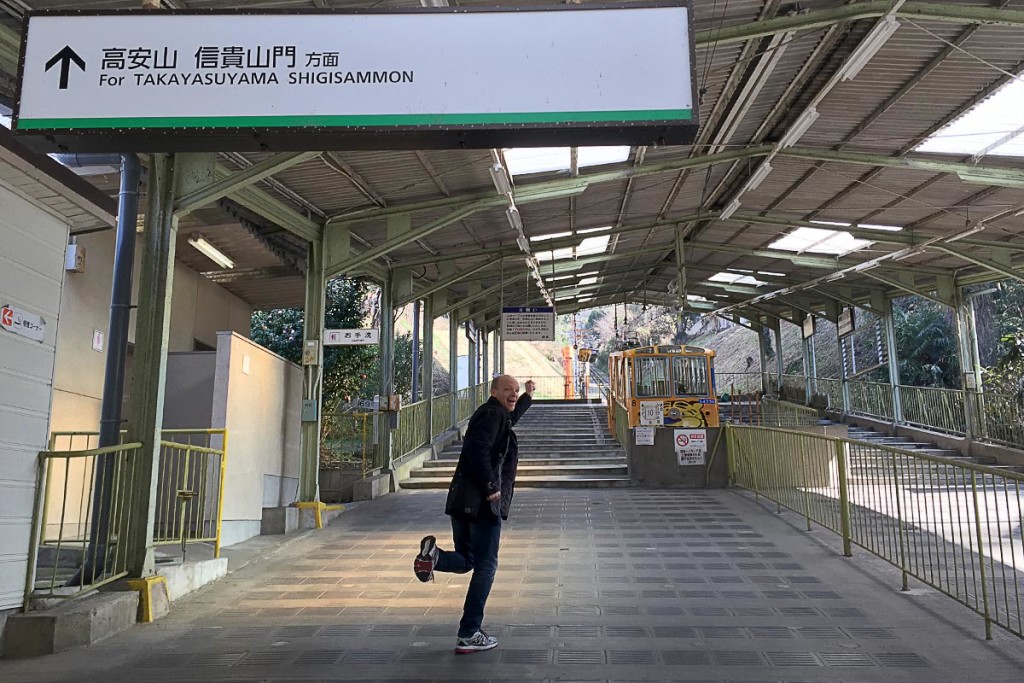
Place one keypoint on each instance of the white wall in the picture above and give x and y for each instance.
(199, 309)
(257, 398)
(32, 244)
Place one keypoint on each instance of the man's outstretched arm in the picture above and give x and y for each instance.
(524, 402)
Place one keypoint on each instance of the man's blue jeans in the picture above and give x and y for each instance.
(476, 550)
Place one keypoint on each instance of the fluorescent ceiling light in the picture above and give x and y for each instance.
(523, 161)
(500, 180)
(966, 233)
(541, 238)
(770, 274)
(863, 226)
(759, 175)
(987, 178)
(728, 211)
(210, 251)
(819, 241)
(515, 219)
(869, 47)
(991, 128)
(590, 230)
(801, 126)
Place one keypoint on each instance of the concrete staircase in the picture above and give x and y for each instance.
(560, 445)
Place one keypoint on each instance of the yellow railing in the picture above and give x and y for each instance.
(953, 526)
(190, 488)
(775, 413)
(441, 414)
(65, 557)
(190, 484)
(347, 440)
(412, 428)
(832, 390)
(621, 418)
(873, 399)
(998, 418)
(737, 383)
(937, 409)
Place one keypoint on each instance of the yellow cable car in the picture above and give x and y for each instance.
(680, 378)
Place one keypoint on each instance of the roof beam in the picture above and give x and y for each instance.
(980, 261)
(444, 282)
(231, 182)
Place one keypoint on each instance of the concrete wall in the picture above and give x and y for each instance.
(32, 245)
(658, 465)
(257, 398)
(199, 309)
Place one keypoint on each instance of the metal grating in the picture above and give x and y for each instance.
(737, 658)
(579, 631)
(636, 657)
(526, 656)
(792, 659)
(370, 657)
(900, 660)
(579, 657)
(686, 658)
(845, 659)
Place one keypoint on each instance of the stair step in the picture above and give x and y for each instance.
(451, 462)
(535, 470)
(564, 481)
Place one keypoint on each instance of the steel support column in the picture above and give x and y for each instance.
(845, 352)
(312, 372)
(970, 365)
(453, 365)
(427, 365)
(150, 359)
(387, 369)
(777, 329)
(894, 364)
(415, 351)
(485, 374)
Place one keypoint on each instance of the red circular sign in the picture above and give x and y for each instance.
(682, 440)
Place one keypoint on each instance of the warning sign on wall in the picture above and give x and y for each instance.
(691, 446)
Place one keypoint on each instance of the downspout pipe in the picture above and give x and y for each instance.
(117, 351)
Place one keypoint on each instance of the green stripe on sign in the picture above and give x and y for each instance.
(369, 120)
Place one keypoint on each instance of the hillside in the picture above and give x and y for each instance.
(736, 344)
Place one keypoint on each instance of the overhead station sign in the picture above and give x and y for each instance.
(439, 78)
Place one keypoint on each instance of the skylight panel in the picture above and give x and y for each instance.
(593, 245)
(992, 127)
(735, 279)
(526, 160)
(819, 241)
(587, 281)
(555, 255)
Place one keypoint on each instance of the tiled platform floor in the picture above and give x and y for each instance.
(593, 585)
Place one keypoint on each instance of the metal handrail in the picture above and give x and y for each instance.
(952, 525)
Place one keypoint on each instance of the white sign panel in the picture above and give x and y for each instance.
(97, 341)
(652, 413)
(691, 446)
(526, 323)
(644, 436)
(846, 322)
(23, 323)
(441, 69)
(351, 337)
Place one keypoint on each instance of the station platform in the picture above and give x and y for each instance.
(593, 585)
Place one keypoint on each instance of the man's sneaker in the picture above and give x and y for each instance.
(423, 565)
(478, 642)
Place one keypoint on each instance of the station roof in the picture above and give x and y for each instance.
(794, 142)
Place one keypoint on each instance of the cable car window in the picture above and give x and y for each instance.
(690, 375)
(651, 377)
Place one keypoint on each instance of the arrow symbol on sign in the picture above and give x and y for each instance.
(64, 58)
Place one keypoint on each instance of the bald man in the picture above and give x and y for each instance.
(479, 498)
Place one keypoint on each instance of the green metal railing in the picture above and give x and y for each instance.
(346, 440)
(775, 413)
(873, 399)
(440, 414)
(951, 525)
(621, 416)
(940, 410)
(832, 390)
(794, 388)
(998, 418)
(737, 383)
(412, 429)
(59, 543)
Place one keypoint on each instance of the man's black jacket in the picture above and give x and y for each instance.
(490, 454)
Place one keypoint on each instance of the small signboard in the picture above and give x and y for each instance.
(471, 331)
(644, 436)
(23, 323)
(691, 446)
(271, 80)
(351, 337)
(808, 327)
(846, 322)
(528, 323)
(652, 413)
